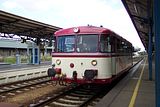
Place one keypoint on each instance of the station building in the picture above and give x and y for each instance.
(12, 47)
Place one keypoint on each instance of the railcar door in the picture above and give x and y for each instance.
(105, 48)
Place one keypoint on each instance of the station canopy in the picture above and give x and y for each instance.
(140, 12)
(17, 25)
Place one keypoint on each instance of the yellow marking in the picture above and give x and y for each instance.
(132, 102)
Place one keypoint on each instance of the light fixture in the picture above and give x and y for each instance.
(76, 30)
(58, 61)
(94, 62)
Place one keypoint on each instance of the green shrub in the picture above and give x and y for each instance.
(10, 60)
(46, 58)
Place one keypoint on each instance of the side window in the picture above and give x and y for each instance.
(105, 45)
(123, 47)
(118, 46)
(129, 48)
(113, 44)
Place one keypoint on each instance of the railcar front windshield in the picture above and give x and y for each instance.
(87, 43)
(77, 43)
(65, 44)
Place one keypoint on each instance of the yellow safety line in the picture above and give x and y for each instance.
(132, 102)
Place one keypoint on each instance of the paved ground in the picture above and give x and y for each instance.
(135, 90)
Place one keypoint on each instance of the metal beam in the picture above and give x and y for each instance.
(141, 5)
(32, 30)
(137, 2)
(146, 34)
(9, 23)
(156, 17)
(141, 19)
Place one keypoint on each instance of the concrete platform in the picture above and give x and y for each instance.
(4, 66)
(14, 73)
(135, 90)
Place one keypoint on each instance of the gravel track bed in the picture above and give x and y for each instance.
(34, 95)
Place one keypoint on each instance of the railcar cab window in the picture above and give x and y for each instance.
(66, 44)
(105, 44)
(87, 43)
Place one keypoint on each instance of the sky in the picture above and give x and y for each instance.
(71, 13)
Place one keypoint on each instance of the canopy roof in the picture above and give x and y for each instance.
(17, 25)
(140, 12)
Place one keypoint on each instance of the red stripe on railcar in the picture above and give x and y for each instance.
(93, 55)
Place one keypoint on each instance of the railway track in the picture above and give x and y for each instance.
(19, 87)
(79, 96)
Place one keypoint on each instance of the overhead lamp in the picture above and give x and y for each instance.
(76, 30)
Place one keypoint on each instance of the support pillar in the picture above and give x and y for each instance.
(150, 55)
(150, 39)
(28, 56)
(156, 17)
(33, 53)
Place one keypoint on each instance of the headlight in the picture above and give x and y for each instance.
(94, 62)
(58, 61)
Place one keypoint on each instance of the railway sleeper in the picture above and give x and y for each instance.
(64, 105)
(75, 98)
(71, 101)
(82, 92)
(78, 95)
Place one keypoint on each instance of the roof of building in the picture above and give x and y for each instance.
(6, 43)
(16, 44)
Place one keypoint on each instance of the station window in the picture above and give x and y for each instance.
(105, 45)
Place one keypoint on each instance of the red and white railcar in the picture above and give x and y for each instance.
(89, 54)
